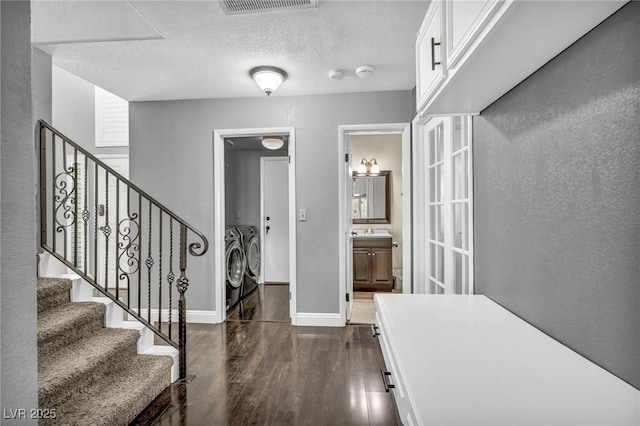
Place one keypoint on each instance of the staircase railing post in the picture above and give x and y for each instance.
(183, 283)
(43, 186)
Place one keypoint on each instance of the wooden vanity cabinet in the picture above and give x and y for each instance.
(372, 270)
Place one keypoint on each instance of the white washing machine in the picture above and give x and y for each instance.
(235, 262)
(252, 253)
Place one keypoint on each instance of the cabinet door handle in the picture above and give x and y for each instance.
(385, 381)
(373, 254)
(374, 329)
(368, 254)
(433, 54)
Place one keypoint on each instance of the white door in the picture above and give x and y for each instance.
(437, 206)
(449, 205)
(274, 200)
(348, 194)
(111, 209)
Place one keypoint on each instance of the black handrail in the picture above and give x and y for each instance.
(75, 201)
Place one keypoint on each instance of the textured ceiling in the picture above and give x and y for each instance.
(157, 50)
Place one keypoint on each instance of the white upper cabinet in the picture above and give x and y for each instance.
(430, 55)
(487, 47)
(464, 21)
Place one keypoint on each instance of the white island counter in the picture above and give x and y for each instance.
(465, 360)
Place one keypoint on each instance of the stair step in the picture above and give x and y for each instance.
(53, 292)
(69, 371)
(146, 336)
(65, 324)
(166, 350)
(119, 396)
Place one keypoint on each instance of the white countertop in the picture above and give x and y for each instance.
(468, 361)
(377, 233)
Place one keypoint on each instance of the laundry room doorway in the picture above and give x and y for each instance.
(254, 241)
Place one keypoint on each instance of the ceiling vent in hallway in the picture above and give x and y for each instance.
(239, 7)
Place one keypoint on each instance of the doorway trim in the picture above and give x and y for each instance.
(344, 131)
(219, 212)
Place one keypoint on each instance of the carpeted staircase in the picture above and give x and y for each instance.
(89, 374)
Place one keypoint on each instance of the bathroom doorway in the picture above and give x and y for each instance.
(375, 196)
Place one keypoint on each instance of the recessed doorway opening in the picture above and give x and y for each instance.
(375, 215)
(254, 224)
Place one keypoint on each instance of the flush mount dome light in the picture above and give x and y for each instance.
(272, 142)
(268, 78)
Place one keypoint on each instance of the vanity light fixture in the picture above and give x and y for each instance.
(368, 167)
(268, 78)
(273, 142)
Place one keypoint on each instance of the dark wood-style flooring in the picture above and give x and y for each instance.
(258, 369)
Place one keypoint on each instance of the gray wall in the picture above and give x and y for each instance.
(41, 97)
(19, 370)
(42, 85)
(171, 154)
(557, 197)
(242, 185)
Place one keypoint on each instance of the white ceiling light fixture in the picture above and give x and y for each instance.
(268, 78)
(364, 71)
(273, 142)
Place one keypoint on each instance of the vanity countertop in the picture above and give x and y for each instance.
(376, 233)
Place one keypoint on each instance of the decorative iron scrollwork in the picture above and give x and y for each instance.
(65, 187)
(94, 238)
(129, 231)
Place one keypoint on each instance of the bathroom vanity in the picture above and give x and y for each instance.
(372, 269)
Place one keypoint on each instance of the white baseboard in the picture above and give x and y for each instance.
(193, 316)
(317, 319)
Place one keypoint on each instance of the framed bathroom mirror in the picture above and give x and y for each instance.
(371, 198)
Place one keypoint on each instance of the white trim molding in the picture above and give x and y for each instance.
(318, 319)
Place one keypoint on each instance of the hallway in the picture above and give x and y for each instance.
(260, 370)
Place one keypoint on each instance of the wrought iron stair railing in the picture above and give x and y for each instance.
(115, 236)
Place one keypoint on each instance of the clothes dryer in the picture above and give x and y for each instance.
(251, 247)
(235, 263)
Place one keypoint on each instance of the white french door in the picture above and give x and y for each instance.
(447, 205)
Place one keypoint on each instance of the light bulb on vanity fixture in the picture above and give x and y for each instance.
(268, 78)
(375, 168)
(362, 167)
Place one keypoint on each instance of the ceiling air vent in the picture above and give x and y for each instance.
(239, 7)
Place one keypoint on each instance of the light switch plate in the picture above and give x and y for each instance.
(302, 215)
